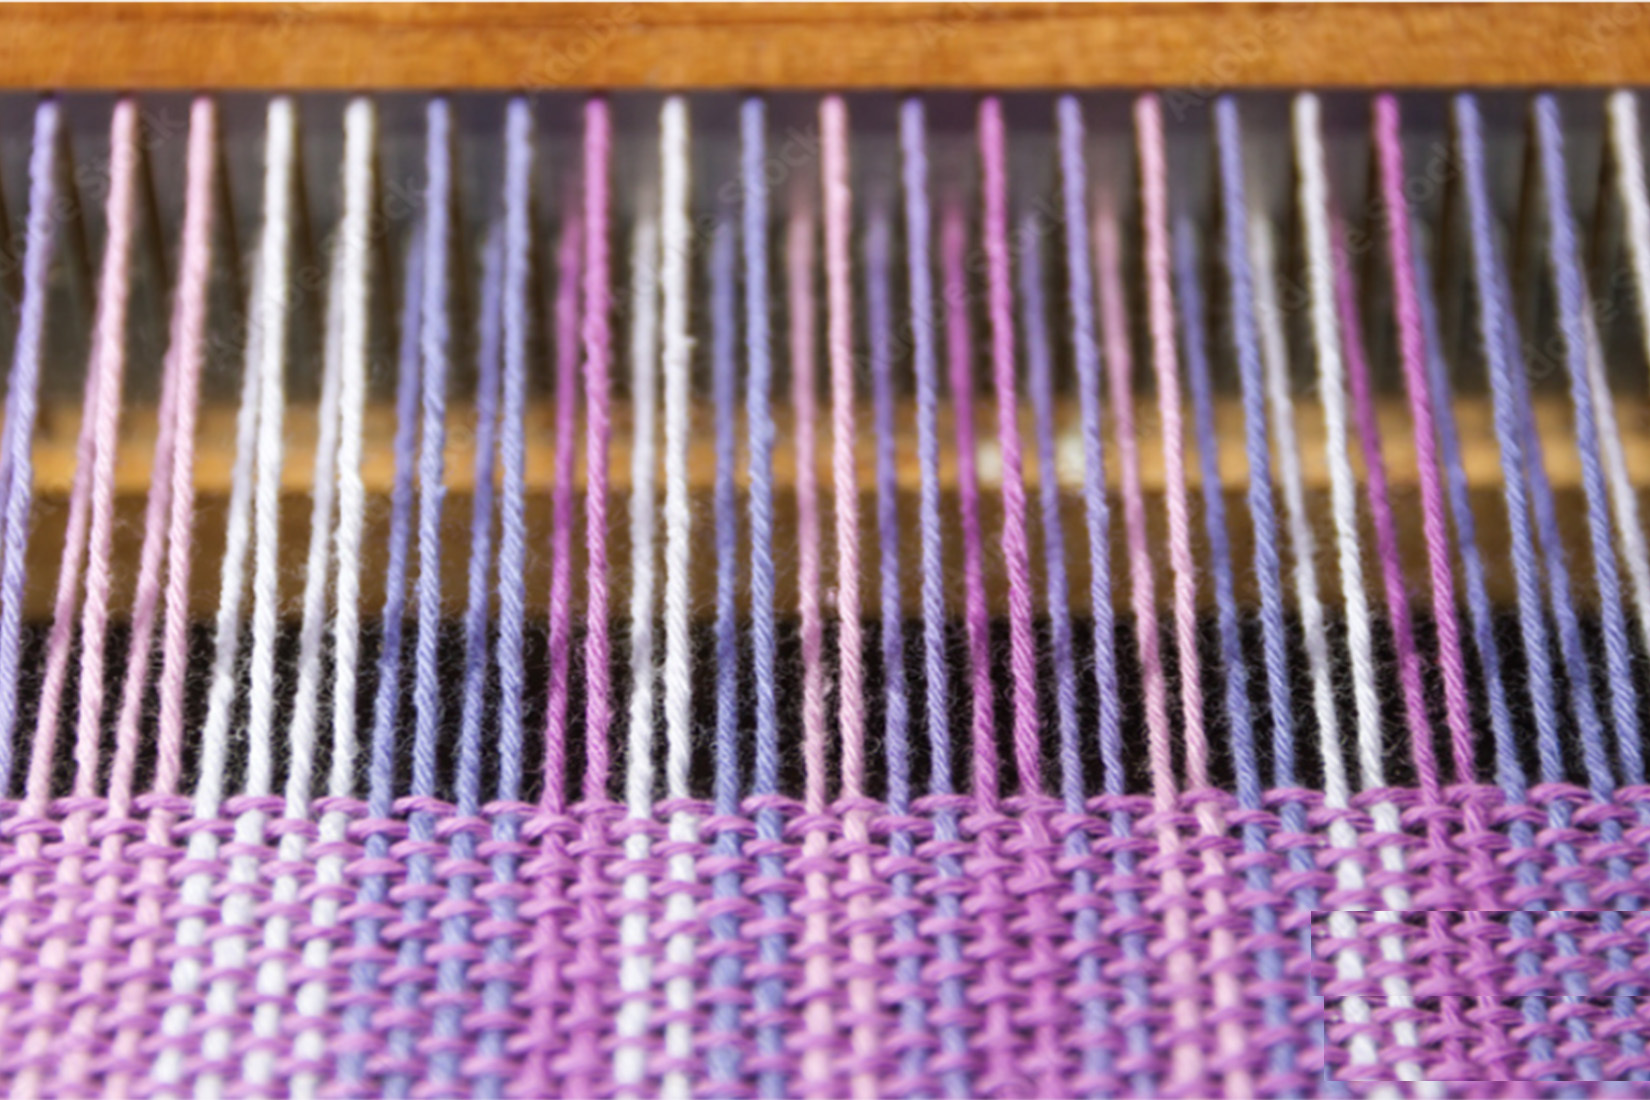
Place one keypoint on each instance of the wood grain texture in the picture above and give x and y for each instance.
(980, 45)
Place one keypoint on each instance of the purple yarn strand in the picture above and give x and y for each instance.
(952, 1062)
(433, 350)
(723, 1059)
(775, 951)
(455, 929)
(17, 480)
(370, 955)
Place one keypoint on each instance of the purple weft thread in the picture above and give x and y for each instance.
(949, 970)
(1099, 1064)
(17, 479)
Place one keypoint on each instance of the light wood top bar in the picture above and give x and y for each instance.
(827, 45)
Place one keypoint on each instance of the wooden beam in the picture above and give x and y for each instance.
(827, 45)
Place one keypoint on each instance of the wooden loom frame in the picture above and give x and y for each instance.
(827, 45)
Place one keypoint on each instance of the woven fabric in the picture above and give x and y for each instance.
(1091, 1011)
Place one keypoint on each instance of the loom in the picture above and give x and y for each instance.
(924, 551)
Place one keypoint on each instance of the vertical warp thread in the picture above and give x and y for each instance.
(109, 355)
(370, 956)
(724, 1058)
(1098, 1062)
(1574, 318)
(1509, 767)
(77, 1038)
(582, 1059)
(772, 927)
(635, 942)
(839, 342)
(433, 336)
(498, 972)
(1626, 157)
(270, 979)
(452, 980)
(1234, 227)
(598, 709)
(271, 317)
(1016, 555)
(991, 945)
(1519, 489)
(1161, 327)
(948, 971)
(1494, 1056)
(22, 406)
(187, 969)
(1268, 335)
(90, 520)
(1187, 1062)
(188, 347)
(354, 273)
(1313, 209)
(906, 987)
(818, 990)
(1239, 716)
(1042, 1007)
(676, 240)
(1570, 293)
